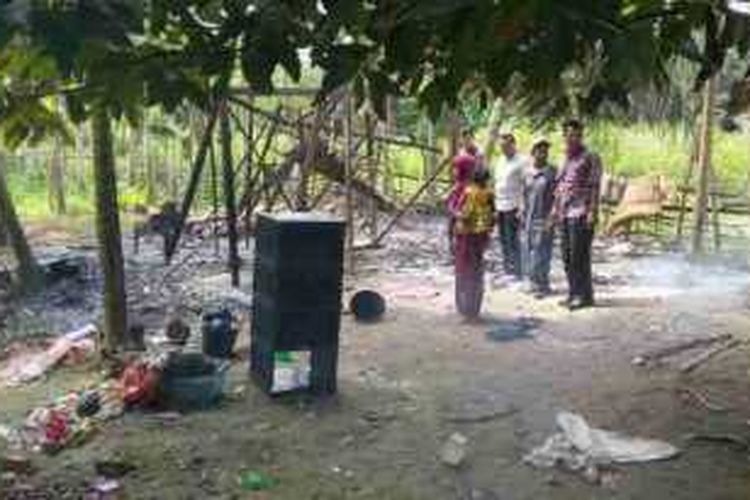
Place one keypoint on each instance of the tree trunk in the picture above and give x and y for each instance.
(56, 180)
(230, 205)
(108, 233)
(29, 277)
(704, 166)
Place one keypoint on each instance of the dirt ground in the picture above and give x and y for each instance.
(410, 381)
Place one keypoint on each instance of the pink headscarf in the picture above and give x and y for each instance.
(463, 167)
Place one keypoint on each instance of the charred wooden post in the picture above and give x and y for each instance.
(373, 173)
(411, 202)
(249, 174)
(214, 199)
(195, 176)
(348, 182)
(229, 201)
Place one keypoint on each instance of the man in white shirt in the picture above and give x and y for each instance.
(509, 181)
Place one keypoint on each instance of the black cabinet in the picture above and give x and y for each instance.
(297, 294)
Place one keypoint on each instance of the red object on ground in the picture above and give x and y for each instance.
(139, 382)
(56, 429)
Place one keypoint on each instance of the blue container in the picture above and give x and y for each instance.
(193, 382)
(218, 334)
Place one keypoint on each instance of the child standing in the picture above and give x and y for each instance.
(474, 222)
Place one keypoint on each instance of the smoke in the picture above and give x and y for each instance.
(677, 274)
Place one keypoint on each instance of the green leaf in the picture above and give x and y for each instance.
(290, 61)
(341, 64)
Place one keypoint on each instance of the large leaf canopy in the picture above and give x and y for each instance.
(549, 55)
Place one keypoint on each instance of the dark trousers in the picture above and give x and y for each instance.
(539, 242)
(510, 243)
(470, 273)
(577, 237)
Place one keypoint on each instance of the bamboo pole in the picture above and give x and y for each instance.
(411, 202)
(249, 175)
(373, 173)
(192, 188)
(348, 182)
(432, 159)
(704, 166)
(214, 198)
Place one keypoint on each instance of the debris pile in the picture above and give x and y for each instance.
(585, 450)
(24, 368)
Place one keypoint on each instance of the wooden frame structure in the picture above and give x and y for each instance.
(294, 159)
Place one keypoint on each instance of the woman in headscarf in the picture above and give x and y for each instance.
(463, 168)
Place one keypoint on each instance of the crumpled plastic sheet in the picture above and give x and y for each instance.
(32, 366)
(579, 447)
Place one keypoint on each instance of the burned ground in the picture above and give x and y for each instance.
(410, 381)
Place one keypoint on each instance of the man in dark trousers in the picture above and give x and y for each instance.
(509, 177)
(576, 206)
(538, 232)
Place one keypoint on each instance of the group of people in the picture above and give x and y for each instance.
(529, 201)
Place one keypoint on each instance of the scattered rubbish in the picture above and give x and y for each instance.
(135, 340)
(60, 424)
(701, 399)
(453, 452)
(140, 383)
(19, 465)
(219, 335)
(672, 350)
(177, 332)
(104, 489)
(481, 417)
(167, 416)
(291, 372)
(256, 481)
(708, 354)
(510, 330)
(238, 392)
(290, 378)
(89, 404)
(192, 381)
(481, 494)
(475, 405)
(367, 306)
(29, 367)
(586, 450)
(114, 469)
(738, 442)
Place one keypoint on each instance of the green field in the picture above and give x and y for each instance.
(627, 150)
